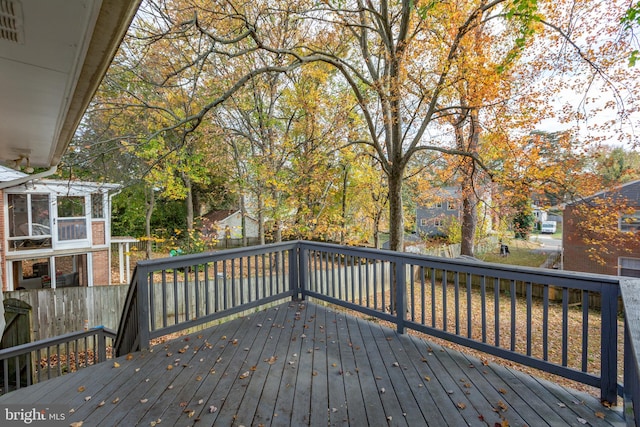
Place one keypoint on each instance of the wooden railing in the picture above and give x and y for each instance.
(467, 302)
(30, 363)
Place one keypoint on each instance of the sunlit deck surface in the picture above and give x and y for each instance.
(305, 364)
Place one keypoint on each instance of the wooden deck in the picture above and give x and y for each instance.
(304, 364)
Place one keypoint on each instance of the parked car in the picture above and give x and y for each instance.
(548, 227)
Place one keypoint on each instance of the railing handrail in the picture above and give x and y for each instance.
(561, 277)
(21, 349)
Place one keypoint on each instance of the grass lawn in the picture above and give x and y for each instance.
(522, 252)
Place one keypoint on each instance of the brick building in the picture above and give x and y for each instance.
(622, 256)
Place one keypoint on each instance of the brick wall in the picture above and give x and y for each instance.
(576, 255)
(97, 232)
(101, 271)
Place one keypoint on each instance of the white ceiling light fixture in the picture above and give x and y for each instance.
(17, 164)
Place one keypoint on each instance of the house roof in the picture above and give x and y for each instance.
(221, 215)
(215, 216)
(628, 191)
(53, 56)
(11, 177)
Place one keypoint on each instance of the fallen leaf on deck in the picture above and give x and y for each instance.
(503, 391)
(169, 367)
(102, 404)
(582, 420)
(461, 405)
(77, 424)
(87, 398)
(600, 415)
(81, 389)
(562, 405)
(200, 402)
(129, 356)
(244, 375)
(427, 378)
(144, 400)
(212, 409)
(116, 400)
(116, 365)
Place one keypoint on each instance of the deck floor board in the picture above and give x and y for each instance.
(301, 363)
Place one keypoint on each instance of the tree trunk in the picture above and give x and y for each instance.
(396, 217)
(150, 206)
(260, 219)
(345, 181)
(243, 220)
(189, 201)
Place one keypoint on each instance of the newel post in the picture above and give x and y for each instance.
(609, 344)
(144, 336)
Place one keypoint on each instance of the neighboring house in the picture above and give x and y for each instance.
(539, 213)
(618, 261)
(55, 233)
(228, 224)
(432, 220)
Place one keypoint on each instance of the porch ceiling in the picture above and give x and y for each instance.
(53, 55)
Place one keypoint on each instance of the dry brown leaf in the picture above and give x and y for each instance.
(244, 375)
(144, 400)
(101, 404)
(600, 415)
(427, 377)
(116, 365)
(77, 424)
(271, 360)
(81, 389)
(461, 405)
(169, 367)
(503, 391)
(116, 400)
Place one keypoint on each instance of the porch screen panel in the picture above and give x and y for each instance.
(29, 221)
(72, 222)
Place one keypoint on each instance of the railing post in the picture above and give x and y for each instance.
(303, 271)
(400, 294)
(609, 345)
(629, 394)
(293, 271)
(144, 336)
(102, 345)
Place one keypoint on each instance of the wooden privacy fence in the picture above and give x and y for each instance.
(60, 311)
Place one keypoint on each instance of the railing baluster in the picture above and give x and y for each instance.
(433, 297)
(445, 279)
(585, 330)
(545, 322)
(163, 283)
(529, 316)
(565, 325)
(469, 307)
(513, 314)
(496, 311)
(456, 298)
(483, 306)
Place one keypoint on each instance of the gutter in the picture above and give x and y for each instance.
(28, 178)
